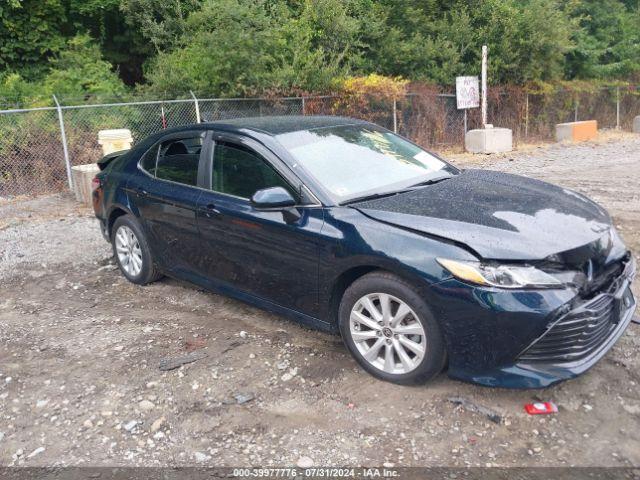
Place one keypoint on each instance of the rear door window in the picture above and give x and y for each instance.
(178, 160)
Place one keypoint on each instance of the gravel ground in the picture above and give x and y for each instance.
(80, 349)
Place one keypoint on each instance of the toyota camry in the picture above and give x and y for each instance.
(347, 227)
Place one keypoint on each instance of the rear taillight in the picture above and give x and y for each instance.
(95, 184)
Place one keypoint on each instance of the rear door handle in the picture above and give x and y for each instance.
(210, 210)
(141, 192)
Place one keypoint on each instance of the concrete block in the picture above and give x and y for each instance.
(636, 124)
(489, 140)
(576, 131)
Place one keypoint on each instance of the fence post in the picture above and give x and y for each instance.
(526, 115)
(64, 143)
(575, 109)
(395, 116)
(617, 108)
(304, 110)
(197, 105)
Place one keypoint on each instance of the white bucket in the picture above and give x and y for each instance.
(115, 140)
(82, 177)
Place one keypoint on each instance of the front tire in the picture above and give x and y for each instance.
(132, 251)
(388, 328)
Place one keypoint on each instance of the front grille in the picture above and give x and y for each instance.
(577, 334)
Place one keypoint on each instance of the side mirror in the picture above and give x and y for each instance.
(272, 199)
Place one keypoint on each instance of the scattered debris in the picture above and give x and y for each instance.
(201, 457)
(191, 344)
(37, 451)
(131, 425)
(157, 425)
(289, 375)
(472, 407)
(305, 462)
(242, 398)
(146, 405)
(542, 408)
(231, 346)
(175, 362)
(632, 409)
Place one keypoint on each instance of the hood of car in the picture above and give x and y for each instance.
(497, 215)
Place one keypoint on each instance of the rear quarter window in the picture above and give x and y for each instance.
(148, 160)
(178, 160)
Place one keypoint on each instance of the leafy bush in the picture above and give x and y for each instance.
(77, 73)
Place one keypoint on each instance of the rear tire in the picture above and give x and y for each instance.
(132, 252)
(390, 331)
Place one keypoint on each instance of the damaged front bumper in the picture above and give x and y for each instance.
(560, 336)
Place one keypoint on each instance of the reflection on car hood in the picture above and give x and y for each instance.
(498, 215)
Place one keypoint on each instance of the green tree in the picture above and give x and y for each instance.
(120, 44)
(77, 73)
(230, 47)
(160, 22)
(79, 70)
(326, 41)
(29, 34)
(608, 44)
(241, 47)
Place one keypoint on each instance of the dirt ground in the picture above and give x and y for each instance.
(80, 349)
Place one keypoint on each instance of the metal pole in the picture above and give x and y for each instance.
(618, 108)
(526, 115)
(575, 112)
(195, 101)
(465, 121)
(304, 109)
(395, 116)
(484, 86)
(67, 162)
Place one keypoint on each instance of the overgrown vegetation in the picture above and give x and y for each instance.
(93, 49)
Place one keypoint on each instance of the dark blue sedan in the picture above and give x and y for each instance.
(349, 228)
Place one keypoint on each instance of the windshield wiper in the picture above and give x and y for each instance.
(373, 196)
(431, 181)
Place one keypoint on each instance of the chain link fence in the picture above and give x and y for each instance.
(33, 160)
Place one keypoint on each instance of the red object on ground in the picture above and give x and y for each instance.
(540, 408)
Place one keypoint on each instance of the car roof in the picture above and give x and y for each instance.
(285, 124)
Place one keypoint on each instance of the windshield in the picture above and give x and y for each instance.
(355, 161)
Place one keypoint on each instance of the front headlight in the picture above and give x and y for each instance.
(504, 276)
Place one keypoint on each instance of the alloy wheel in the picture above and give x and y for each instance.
(128, 250)
(387, 333)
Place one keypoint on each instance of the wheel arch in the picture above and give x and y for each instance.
(115, 212)
(347, 277)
